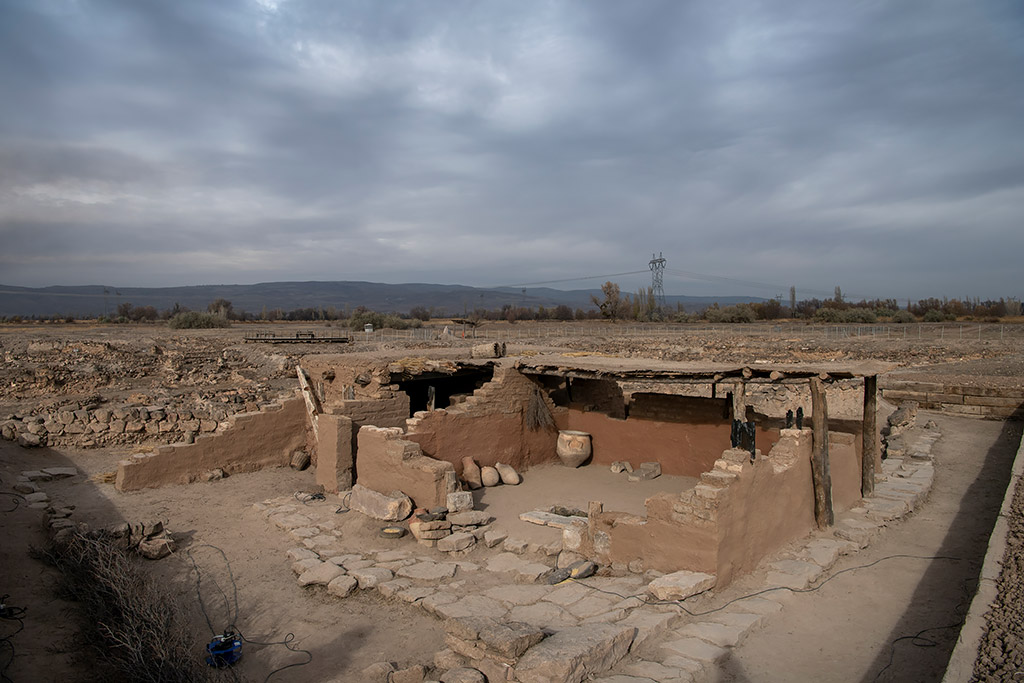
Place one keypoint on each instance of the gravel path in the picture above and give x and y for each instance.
(1001, 653)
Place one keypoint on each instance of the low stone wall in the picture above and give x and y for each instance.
(250, 442)
(995, 403)
(91, 425)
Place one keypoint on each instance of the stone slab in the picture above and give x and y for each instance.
(574, 654)
(680, 585)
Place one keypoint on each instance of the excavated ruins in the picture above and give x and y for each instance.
(442, 476)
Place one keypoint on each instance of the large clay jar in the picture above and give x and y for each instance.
(573, 447)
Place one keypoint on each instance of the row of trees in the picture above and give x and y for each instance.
(611, 305)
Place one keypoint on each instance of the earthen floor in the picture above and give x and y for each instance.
(555, 484)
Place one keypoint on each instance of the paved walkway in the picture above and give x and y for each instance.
(504, 582)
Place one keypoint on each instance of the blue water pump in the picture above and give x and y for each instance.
(224, 650)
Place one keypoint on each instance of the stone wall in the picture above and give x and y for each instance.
(97, 424)
(771, 399)
(995, 403)
(252, 441)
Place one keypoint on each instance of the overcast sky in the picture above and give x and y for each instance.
(878, 146)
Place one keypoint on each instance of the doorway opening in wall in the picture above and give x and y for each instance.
(436, 390)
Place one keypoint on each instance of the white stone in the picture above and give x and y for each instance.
(320, 575)
(428, 571)
(371, 577)
(342, 586)
(680, 585)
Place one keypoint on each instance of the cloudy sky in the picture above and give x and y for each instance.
(874, 145)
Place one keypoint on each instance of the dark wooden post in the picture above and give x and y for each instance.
(869, 438)
(823, 513)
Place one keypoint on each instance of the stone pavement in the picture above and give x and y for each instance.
(600, 626)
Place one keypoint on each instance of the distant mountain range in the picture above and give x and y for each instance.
(451, 300)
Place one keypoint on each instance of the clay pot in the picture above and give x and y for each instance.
(489, 476)
(471, 473)
(573, 447)
(508, 474)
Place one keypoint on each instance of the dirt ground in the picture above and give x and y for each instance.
(343, 637)
(843, 632)
(557, 485)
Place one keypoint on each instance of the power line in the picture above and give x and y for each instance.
(571, 279)
(748, 283)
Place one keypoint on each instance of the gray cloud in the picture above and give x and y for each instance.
(871, 145)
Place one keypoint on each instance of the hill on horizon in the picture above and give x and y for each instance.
(444, 300)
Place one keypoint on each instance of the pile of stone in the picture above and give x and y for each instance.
(451, 529)
(151, 540)
(648, 470)
(898, 423)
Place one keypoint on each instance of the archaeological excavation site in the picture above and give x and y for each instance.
(684, 506)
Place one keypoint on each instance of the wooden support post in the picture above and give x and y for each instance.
(820, 475)
(739, 402)
(869, 439)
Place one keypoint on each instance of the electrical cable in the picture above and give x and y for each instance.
(9, 613)
(917, 640)
(344, 507)
(679, 603)
(232, 625)
(570, 279)
(199, 589)
(287, 642)
(18, 498)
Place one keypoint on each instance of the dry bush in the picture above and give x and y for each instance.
(132, 628)
(537, 414)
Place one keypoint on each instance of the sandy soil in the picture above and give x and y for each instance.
(849, 629)
(344, 636)
(550, 485)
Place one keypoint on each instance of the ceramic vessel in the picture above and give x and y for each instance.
(573, 447)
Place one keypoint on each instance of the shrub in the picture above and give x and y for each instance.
(844, 316)
(135, 630)
(380, 320)
(904, 317)
(934, 315)
(193, 320)
(740, 313)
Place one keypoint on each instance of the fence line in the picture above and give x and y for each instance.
(943, 332)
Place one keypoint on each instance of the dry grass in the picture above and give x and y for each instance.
(537, 414)
(130, 628)
(104, 477)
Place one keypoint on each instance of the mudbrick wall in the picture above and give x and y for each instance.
(738, 513)
(252, 441)
(996, 403)
(490, 426)
(388, 462)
